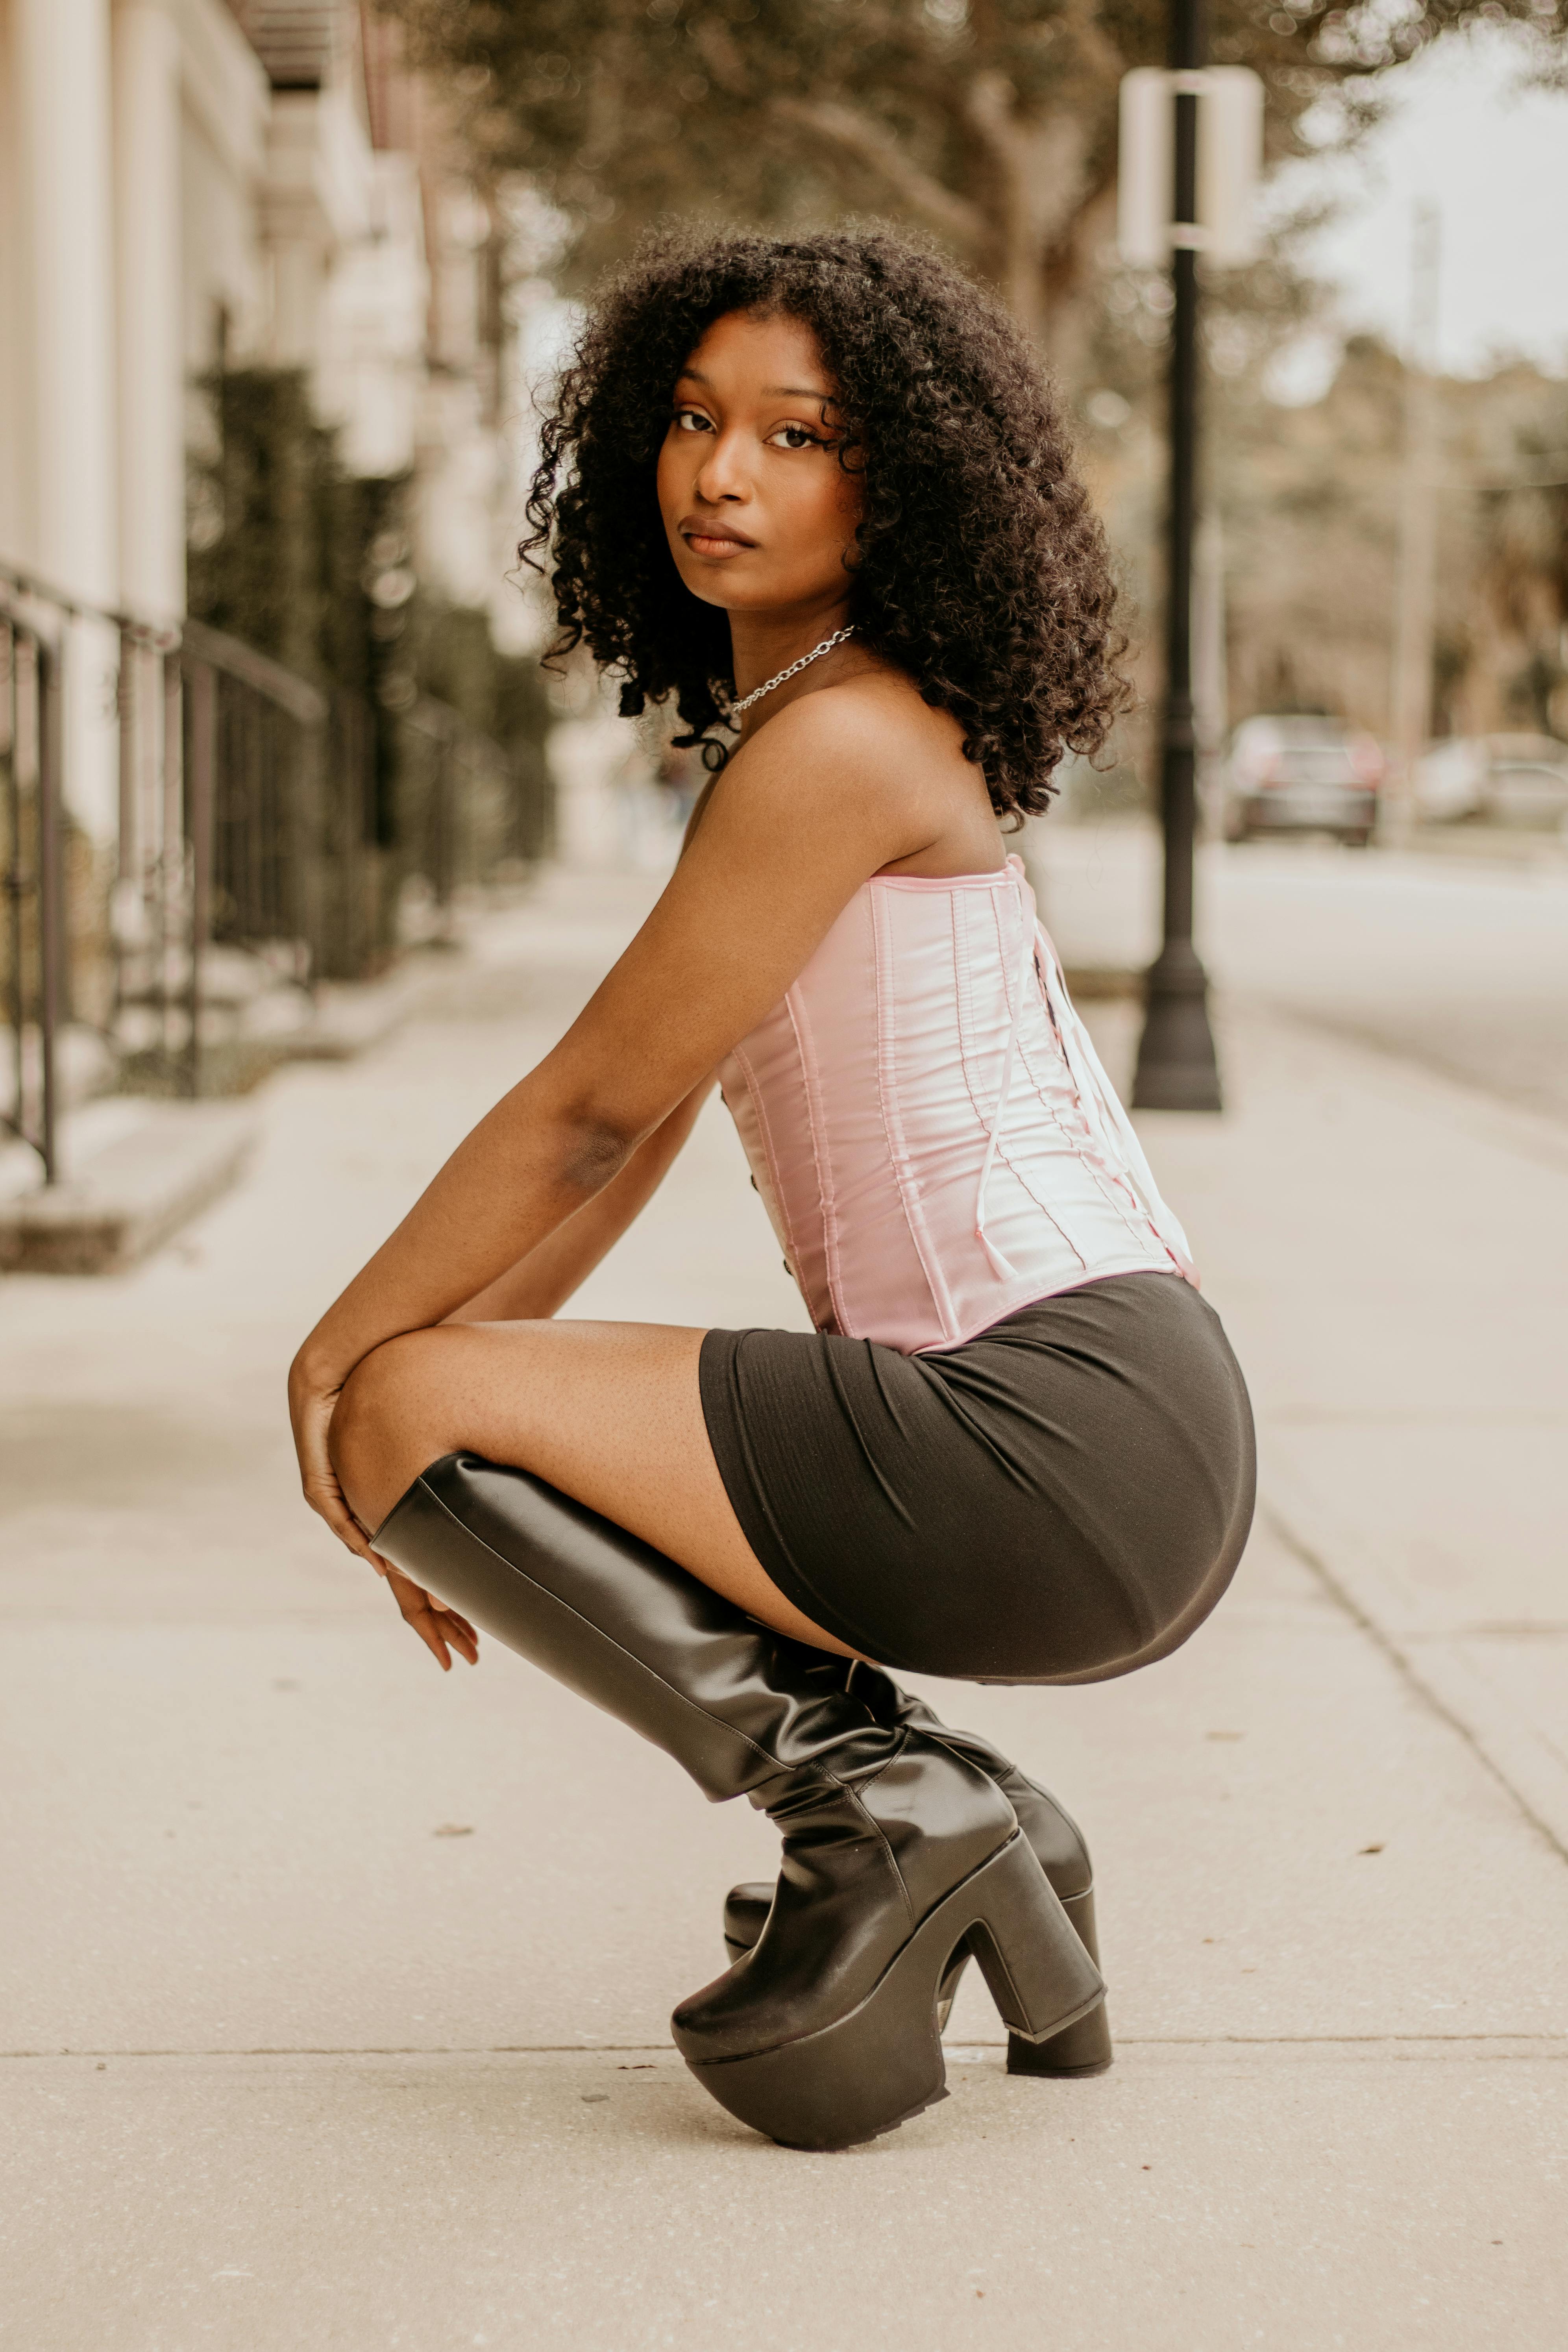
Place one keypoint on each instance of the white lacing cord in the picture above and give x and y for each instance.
(1002, 1268)
(1115, 1137)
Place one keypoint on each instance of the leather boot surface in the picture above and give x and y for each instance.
(860, 1868)
(897, 1849)
(1083, 2048)
(1057, 1839)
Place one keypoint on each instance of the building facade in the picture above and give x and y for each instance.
(186, 185)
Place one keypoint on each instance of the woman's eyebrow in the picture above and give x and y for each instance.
(769, 391)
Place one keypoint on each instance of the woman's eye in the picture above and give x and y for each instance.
(795, 437)
(692, 420)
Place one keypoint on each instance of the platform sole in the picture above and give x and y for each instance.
(1078, 2050)
(882, 2065)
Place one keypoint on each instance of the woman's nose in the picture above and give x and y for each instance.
(723, 474)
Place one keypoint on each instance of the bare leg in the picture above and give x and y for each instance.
(608, 1412)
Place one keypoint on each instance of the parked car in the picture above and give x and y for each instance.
(1498, 779)
(1302, 775)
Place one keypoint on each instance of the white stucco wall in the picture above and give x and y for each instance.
(225, 107)
(16, 393)
(151, 187)
(372, 363)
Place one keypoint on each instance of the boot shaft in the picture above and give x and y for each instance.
(738, 1705)
(1051, 1830)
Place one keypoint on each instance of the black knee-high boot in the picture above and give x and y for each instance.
(1059, 1845)
(897, 1849)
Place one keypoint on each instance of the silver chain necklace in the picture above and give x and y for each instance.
(806, 659)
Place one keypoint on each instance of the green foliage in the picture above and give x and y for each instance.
(501, 694)
(311, 565)
(283, 542)
(262, 517)
(990, 123)
(1309, 498)
(497, 693)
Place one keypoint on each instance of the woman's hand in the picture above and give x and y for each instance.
(441, 1629)
(311, 1405)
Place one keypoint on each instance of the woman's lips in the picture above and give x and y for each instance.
(714, 542)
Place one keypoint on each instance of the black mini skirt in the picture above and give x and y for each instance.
(1061, 1500)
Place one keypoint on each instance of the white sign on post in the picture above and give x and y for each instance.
(1230, 165)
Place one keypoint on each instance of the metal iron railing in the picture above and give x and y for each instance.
(463, 808)
(31, 751)
(241, 829)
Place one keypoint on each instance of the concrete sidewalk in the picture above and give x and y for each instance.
(336, 1992)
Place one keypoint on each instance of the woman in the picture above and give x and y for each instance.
(817, 493)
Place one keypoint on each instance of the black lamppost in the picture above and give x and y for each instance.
(1177, 1069)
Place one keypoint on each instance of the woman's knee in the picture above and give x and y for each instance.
(379, 1440)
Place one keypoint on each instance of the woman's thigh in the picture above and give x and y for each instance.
(609, 1413)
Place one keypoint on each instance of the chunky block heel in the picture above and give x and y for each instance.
(1041, 1982)
(881, 2064)
(1077, 2050)
(1084, 2048)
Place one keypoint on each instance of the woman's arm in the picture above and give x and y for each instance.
(821, 800)
(541, 1284)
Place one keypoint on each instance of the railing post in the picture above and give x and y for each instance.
(50, 896)
(121, 922)
(443, 846)
(15, 878)
(128, 714)
(199, 795)
(315, 832)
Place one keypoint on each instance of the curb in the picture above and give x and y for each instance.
(132, 1195)
(348, 1019)
(353, 1016)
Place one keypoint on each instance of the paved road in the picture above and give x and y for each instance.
(1458, 962)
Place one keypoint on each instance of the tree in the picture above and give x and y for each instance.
(990, 123)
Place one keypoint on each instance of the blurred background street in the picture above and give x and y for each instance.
(337, 1995)
(1458, 963)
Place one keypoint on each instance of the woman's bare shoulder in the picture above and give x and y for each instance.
(879, 706)
(872, 734)
(868, 760)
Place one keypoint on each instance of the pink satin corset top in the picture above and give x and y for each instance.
(930, 1129)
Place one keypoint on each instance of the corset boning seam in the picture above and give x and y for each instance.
(1137, 1225)
(1126, 1203)
(795, 1006)
(892, 1125)
(769, 1153)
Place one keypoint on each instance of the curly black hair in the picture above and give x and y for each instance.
(980, 569)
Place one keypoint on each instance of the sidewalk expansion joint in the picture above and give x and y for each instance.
(1525, 2046)
(1396, 1651)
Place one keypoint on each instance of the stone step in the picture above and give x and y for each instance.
(119, 1203)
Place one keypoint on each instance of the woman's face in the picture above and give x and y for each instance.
(759, 512)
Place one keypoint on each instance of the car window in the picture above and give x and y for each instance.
(1312, 732)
